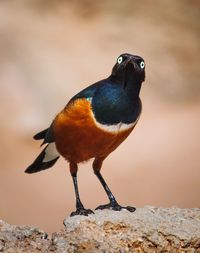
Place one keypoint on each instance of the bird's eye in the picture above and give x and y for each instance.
(142, 65)
(120, 59)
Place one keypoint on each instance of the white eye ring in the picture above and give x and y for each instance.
(142, 65)
(120, 59)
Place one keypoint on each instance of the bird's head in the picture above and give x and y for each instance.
(129, 67)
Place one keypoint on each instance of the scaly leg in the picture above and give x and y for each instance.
(80, 210)
(113, 203)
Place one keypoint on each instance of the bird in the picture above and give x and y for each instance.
(93, 124)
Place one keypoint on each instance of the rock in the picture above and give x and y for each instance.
(22, 239)
(148, 229)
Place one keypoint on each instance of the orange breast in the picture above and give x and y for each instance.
(77, 136)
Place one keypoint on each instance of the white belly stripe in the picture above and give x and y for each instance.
(116, 128)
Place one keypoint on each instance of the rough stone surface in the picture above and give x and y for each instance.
(14, 239)
(149, 229)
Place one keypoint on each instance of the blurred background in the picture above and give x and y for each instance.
(49, 50)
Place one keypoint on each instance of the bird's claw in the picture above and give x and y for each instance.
(116, 207)
(82, 211)
(130, 208)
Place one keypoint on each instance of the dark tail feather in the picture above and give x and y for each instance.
(40, 135)
(46, 134)
(41, 163)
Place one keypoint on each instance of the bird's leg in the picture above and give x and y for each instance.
(80, 210)
(113, 203)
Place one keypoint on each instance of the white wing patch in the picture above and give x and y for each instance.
(51, 153)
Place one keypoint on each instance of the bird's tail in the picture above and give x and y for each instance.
(46, 159)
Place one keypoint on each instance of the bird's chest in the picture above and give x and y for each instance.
(112, 106)
(79, 136)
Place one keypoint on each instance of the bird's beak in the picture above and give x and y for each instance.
(132, 62)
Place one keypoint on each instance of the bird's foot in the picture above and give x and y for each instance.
(82, 211)
(116, 207)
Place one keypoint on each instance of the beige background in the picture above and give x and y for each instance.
(49, 50)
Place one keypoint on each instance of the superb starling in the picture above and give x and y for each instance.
(93, 124)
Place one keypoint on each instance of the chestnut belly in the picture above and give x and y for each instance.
(78, 137)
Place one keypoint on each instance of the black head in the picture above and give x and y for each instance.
(129, 67)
